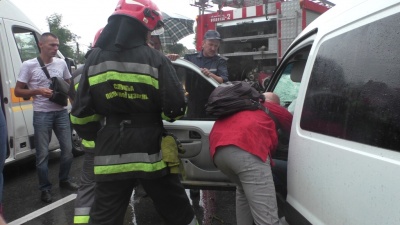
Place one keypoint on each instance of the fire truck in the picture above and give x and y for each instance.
(256, 33)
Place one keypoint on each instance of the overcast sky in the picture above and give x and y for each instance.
(85, 17)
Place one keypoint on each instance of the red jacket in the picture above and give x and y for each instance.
(252, 131)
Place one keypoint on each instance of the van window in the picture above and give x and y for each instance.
(286, 88)
(354, 88)
(26, 43)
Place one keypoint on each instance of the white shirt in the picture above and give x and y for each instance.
(32, 74)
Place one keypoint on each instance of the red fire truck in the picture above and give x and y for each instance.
(256, 33)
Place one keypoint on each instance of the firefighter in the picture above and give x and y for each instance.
(133, 87)
(85, 195)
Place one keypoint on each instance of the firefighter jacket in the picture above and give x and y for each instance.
(133, 94)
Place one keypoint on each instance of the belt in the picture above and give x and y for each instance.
(133, 120)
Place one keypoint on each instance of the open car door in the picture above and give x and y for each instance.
(193, 131)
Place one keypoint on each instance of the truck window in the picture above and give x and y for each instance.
(26, 42)
(354, 88)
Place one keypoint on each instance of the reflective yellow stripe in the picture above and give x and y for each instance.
(129, 167)
(81, 219)
(88, 144)
(164, 117)
(85, 120)
(124, 77)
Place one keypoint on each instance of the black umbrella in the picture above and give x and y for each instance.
(176, 27)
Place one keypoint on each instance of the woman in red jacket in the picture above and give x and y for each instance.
(241, 146)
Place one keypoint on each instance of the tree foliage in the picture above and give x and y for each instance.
(175, 49)
(65, 36)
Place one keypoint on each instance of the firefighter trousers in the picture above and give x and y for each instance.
(168, 194)
(85, 194)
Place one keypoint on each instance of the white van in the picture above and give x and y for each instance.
(19, 42)
(344, 151)
(341, 77)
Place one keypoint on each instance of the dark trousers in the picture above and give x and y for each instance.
(169, 197)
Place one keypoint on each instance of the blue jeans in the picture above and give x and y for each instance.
(43, 124)
(3, 149)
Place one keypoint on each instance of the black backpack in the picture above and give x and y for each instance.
(232, 97)
(235, 96)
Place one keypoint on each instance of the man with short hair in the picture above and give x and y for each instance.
(47, 115)
(211, 65)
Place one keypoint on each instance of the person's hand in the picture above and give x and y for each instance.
(209, 74)
(45, 92)
(206, 72)
(172, 57)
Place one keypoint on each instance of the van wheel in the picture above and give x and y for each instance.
(77, 149)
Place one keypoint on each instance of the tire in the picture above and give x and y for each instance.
(77, 149)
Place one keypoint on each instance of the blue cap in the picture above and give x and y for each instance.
(212, 35)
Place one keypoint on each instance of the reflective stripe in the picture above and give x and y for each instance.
(130, 167)
(85, 120)
(128, 158)
(164, 117)
(123, 67)
(81, 219)
(82, 211)
(88, 144)
(82, 215)
(112, 75)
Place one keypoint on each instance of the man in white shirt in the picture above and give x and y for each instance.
(47, 115)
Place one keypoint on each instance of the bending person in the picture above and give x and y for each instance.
(241, 146)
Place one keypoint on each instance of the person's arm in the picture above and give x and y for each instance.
(23, 78)
(207, 72)
(284, 117)
(84, 118)
(222, 70)
(21, 92)
(172, 57)
(173, 100)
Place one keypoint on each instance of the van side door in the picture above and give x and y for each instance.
(19, 42)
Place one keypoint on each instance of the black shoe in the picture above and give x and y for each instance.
(69, 185)
(46, 196)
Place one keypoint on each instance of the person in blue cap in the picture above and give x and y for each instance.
(211, 65)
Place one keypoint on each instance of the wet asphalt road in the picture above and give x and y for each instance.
(22, 205)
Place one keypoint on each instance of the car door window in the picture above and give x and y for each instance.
(197, 90)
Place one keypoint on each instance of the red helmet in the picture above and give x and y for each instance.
(96, 36)
(145, 11)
